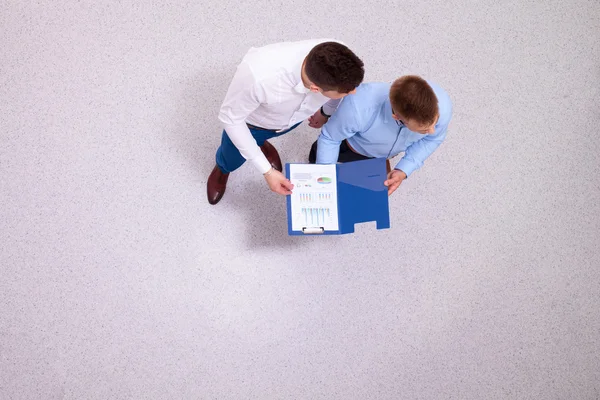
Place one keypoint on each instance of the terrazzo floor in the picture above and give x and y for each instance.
(119, 281)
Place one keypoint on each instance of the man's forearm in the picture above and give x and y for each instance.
(408, 166)
(246, 144)
(328, 150)
(416, 154)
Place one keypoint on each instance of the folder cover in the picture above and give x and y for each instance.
(331, 199)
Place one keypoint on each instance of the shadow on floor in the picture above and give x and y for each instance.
(265, 217)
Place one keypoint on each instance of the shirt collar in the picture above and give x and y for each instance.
(388, 114)
(300, 88)
(387, 111)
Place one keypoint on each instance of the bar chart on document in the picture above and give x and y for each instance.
(314, 197)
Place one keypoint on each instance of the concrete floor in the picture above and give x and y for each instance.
(119, 281)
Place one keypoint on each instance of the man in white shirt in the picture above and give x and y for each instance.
(274, 89)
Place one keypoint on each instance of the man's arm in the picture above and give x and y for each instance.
(342, 125)
(330, 107)
(416, 154)
(414, 157)
(243, 96)
(321, 116)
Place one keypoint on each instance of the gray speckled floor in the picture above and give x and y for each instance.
(119, 281)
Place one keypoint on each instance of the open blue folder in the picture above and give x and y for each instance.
(361, 197)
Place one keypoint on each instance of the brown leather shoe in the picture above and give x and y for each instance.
(216, 185)
(271, 153)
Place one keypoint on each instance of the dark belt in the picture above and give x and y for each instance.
(388, 167)
(258, 128)
(352, 150)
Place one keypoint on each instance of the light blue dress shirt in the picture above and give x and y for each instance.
(365, 120)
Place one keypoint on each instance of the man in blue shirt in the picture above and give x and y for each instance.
(382, 120)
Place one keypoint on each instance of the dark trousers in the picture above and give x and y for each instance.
(346, 154)
(229, 158)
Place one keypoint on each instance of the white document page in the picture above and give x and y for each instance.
(314, 197)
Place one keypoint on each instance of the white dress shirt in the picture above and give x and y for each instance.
(267, 91)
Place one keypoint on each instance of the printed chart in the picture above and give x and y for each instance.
(314, 197)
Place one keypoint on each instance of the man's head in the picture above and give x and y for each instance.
(333, 69)
(414, 104)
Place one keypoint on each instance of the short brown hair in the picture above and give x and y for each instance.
(413, 98)
(333, 66)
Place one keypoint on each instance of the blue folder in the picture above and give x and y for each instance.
(361, 197)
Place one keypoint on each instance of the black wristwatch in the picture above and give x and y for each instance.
(323, 113)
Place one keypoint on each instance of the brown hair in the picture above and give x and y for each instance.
(413, 98)
(333, 66)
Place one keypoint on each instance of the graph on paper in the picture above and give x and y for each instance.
(314, 197)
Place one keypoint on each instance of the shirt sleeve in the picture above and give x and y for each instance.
(244, 95)
(342, 125)
(330, 107)
(416, 154)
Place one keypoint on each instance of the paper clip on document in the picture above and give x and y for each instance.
(313, 231)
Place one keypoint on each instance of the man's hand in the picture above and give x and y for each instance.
(317, 120)
(278, 182)
(394, 179)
